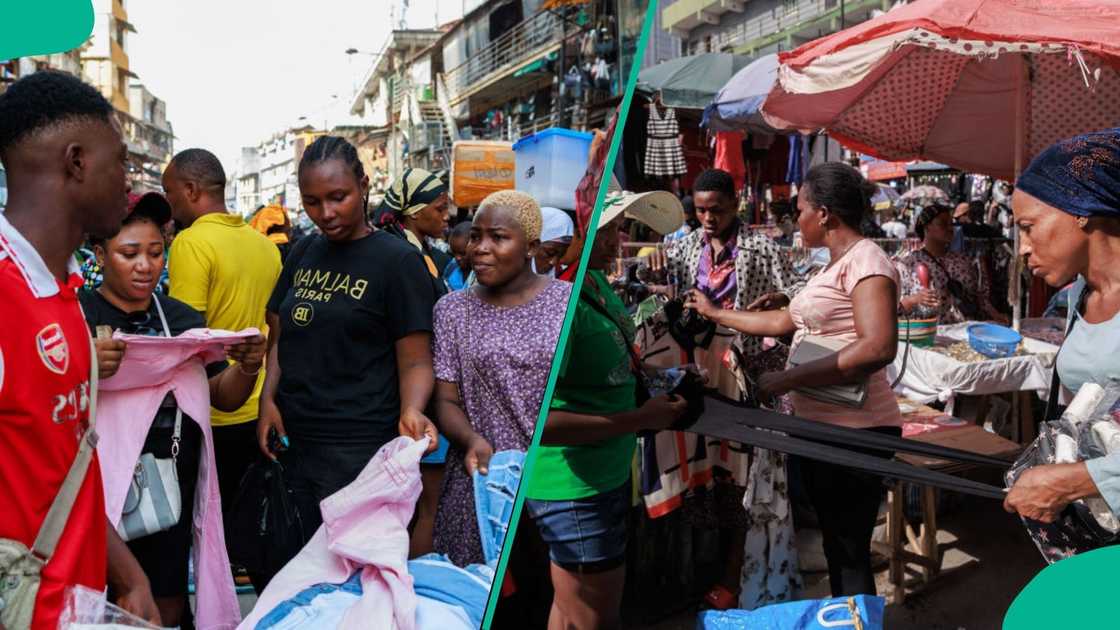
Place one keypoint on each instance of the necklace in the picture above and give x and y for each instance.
(843, 253)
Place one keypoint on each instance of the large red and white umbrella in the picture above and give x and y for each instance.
(980, 85)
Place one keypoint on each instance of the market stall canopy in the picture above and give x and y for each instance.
(884, 197)
(691, 82)
(738, 104)
(927, 167)
(924, 196)
(981, 85)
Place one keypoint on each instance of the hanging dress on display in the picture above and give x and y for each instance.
(664, 154)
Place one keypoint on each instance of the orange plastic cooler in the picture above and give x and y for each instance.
(478, 168)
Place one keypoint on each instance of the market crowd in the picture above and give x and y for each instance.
(608, 421)
(369, 327)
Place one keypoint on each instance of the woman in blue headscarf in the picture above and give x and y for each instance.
(1067, 207)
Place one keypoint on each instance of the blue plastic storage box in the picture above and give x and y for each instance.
(550, 164)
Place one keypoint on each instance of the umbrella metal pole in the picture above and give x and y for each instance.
(1015, 288)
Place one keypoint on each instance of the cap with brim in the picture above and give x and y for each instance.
(660, 210)
(152, 205)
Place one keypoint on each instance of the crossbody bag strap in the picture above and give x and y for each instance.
(635, 360)
(1055, 380)
(59, 513)
(176, 436)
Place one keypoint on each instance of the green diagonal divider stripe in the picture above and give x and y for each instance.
(42, 27)
(1077, 592)
(562, 344)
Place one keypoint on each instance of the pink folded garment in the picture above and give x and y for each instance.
(127, 404)
(365, 528)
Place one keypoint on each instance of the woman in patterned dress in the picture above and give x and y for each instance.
(493, 349)
(973, 297)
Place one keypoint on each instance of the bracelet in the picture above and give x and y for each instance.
(253, 373)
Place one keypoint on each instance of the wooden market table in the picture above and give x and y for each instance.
(904, 546)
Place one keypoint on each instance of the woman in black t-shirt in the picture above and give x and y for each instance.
(131, 263)
(350, 325)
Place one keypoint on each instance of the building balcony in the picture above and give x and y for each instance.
(511, 54)
(684, 15)
(119, 12)
(797, 24)
(118, 56)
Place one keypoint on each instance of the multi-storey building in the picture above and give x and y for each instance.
(758, 27)
(503, 71)
(266, 173)
(105, 59)
(142, 116)
(148, 135)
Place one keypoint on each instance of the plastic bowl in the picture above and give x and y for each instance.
(993, 341)
(923, 332)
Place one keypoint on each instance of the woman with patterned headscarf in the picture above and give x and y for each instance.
(415, 208)
(1067, 207)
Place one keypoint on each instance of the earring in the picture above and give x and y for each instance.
(1082, 222)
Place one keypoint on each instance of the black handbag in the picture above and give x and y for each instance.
(264, 528)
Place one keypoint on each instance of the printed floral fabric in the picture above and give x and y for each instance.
(964, 269)
(500, 358)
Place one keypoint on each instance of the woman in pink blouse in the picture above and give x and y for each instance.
(853, 300)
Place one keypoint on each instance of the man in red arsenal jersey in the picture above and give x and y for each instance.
(65, 158)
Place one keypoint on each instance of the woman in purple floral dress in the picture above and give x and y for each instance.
(492, 349)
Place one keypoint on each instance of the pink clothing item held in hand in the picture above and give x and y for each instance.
(824, 307)
(127, 403)
(365, 528)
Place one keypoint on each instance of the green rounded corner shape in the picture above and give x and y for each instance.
(1078, 592)
(42, 27)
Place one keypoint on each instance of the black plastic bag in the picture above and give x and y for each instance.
(264, 529)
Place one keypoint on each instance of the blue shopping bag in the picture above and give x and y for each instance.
(860, 612)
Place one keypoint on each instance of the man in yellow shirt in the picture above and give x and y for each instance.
(226, 270)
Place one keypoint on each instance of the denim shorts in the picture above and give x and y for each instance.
(585, 535)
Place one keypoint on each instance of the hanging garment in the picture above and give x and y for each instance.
(153, 367)
(601, 74)
(795, 169)
(774, 165)
(664, 154)
(729, 156)
(825, 149)
(365, 530)
(573, 83)
(678, 469)
(587, 45)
